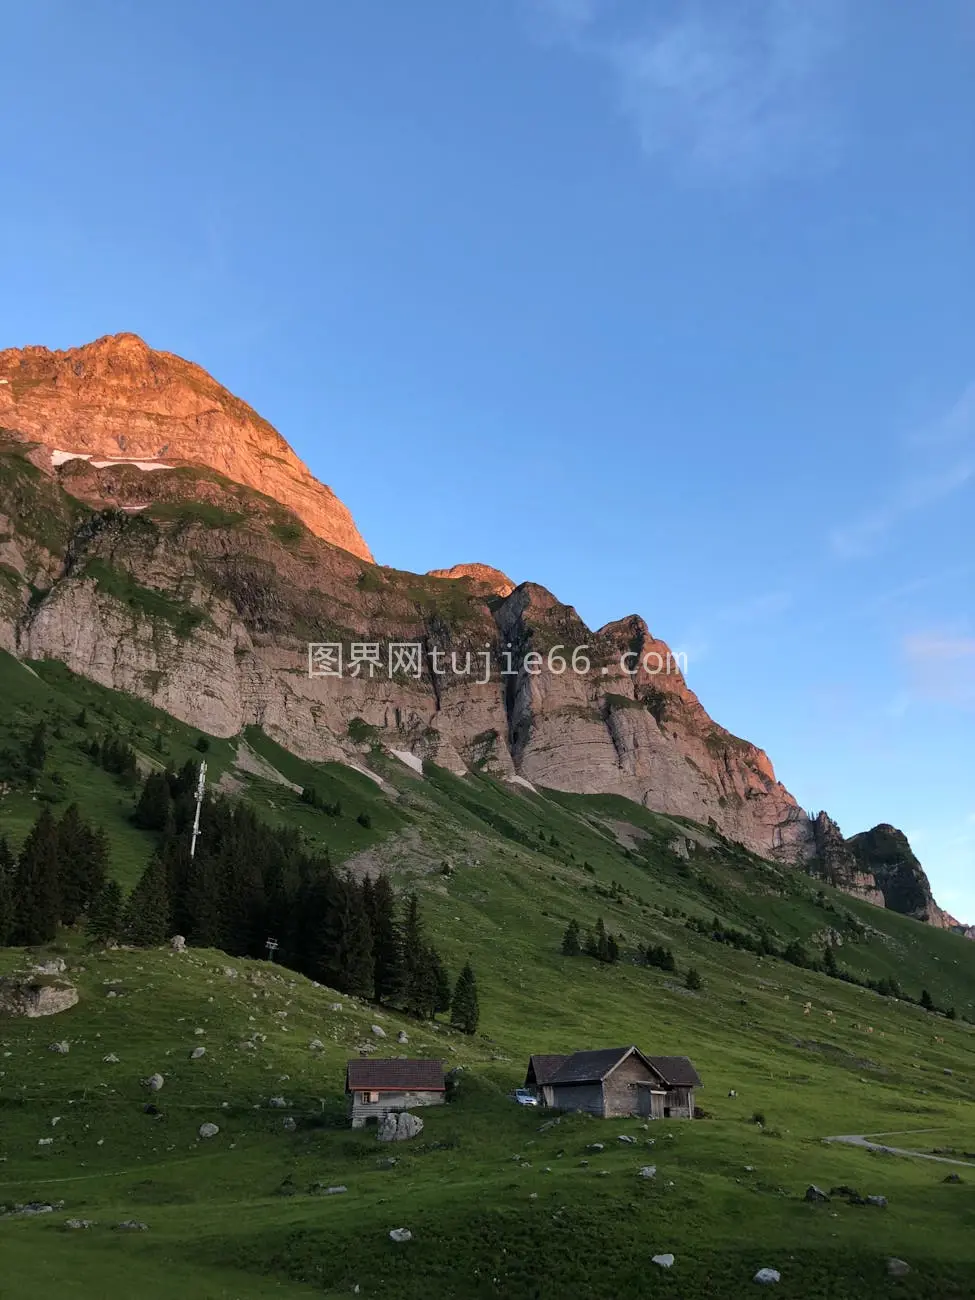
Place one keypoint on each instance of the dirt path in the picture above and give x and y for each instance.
(863, 1140)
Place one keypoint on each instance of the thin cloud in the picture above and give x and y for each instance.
(948, 446)
(734, 92)
(942, 667)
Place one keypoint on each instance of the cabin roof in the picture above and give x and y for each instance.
(544, 1067)
(676, 1071)
(593, 1067)
(396, 1074)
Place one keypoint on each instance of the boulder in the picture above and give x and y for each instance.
(379, 1031)
(814, 1193)
(596, 1146)
(33, 997)
(289, 1123)
(335, 1006)
(402, 1036)
(57, 966)
(953, 1178)
(132, 1225)
(399, 1128)
(197, 1052)
(177, 943)
(879, 1201)
(62, 1048)
(110, 1059)
(767, 1276)
(665, 1261)
(625, 1137)
(316, 1045)
(648, 1171)
(79, 1223)
(277, 1103)
(897, 1267)
(400, 1234)
(334, 1191)
(208, 1130)
(154, 1082)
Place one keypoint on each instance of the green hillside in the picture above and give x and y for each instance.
(499, 1201)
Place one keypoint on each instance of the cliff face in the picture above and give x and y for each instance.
(836, 862)
(199, 579)
(886, 854)
(119, 398)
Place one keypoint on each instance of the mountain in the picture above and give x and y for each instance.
(118, 398)
(886, 854)
(183, 554)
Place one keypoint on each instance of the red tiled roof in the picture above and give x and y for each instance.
(394, 1075)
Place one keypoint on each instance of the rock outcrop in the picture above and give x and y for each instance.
(836, 863)
(886, 854)
(32, 998)
(481, 576)
(118, 399)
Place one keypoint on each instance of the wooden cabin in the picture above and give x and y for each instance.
(615, 1081)
(380, 1087)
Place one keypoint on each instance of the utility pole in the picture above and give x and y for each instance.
(200, 788)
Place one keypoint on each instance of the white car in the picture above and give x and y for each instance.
(524, 1098)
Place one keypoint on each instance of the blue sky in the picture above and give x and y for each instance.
(667, 306)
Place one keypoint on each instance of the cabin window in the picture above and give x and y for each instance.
(370, 1097)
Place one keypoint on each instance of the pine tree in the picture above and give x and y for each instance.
(386, 955)
(35, 751)
(105, 913)
(6, 893)
(441, 982)
(612, 949)
(927, 1001)
(464, 1010)
(412, 971)
(36, 890)
(829, 961)
(155, 803)
(354, 955)
(692, 979)
(571, 945)
(82, 863)
(147, 911)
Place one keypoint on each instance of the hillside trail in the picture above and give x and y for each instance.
(863, 1140)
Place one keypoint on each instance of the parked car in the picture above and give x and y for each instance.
(524, 1098)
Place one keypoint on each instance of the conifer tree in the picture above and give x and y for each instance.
(386, 956)
(82, 863)
(147, 911)
(612, 949)
(36, 892)
(155, 803)
(442, 1000)
(927, 1001)
(35, 751)
(829, 961)
(6, 893)
(105, 913)
(464, 1010)
(571, 945)
(412, 973)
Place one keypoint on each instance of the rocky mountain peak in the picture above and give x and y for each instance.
(498, 583)
(886, 853)
(117, 398)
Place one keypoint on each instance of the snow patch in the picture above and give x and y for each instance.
(409, 759)
(520, 780)
(60, 457)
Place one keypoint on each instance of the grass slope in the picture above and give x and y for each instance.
(235, 1216)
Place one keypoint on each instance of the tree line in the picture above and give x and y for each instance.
(247, 882)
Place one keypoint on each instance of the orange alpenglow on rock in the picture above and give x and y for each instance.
(499, 583)
(118, 398)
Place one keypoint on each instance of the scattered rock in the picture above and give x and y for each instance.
(402, 1036)
(596, 1146)
(132, 1225)
(33, 1207)
(879, 1201)
(110, 1059)
(63, 1048)
(897, 1267)
(766, 1276)
(278, 1103)
(335, 1006)
(208, 1130)
(954, 1178)
(624, 1137)
(57, 966)
(399, 1128)
(316, 1045)
(199, 1031)
(289, 1123)
(154, 1082)
(334, 1191)
(648, 1171)
(379, 1031)
(400, 1234)
(79, 1223)
(177, 943)
(44, 1142)
(665, 1261)
(814, 1193)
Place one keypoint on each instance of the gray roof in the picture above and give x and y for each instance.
(542, 1067)
(592, 1067)
(676, 1071)
(396, 1074)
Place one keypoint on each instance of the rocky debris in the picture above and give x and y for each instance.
(387, 1162)
(400, 1234)
(31, 998)
(334, 1191)
(131, 1225)
(62, 1048)
(197, 1053)
(110, 1059)
(316, 1045)
(335, 1006)
(30, 1208)
(648, 1171)
(208, 1130)
(814, 1193)
(624, 1137)
(399, 1128)
(664, 1261)
(79, 1223)
(154, 1082)
(57, 966)
(379, 1031)
(402, 1036)
(199, 1031)
(177, 943)
(289, 1123)
(277, 1103)
(879, 1201)
(897, 1267)
(596, 1146)
(766, 1276)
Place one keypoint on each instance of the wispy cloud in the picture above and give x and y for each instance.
(942, 667)
(734, 91)
(946, 450)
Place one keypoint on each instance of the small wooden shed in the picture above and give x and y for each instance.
(380, 1087)
(615, 1081)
